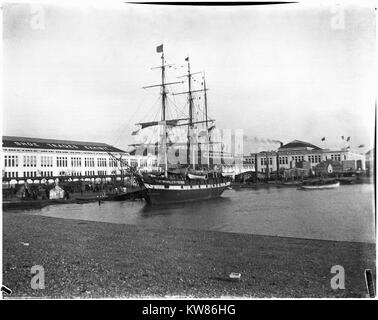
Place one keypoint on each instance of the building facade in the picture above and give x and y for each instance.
(295, 153)
(43, 158)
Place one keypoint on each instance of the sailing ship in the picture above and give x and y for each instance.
(191, 181)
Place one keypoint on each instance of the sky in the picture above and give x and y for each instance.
(279, 72)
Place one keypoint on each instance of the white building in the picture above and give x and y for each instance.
(33, 158)
(289, 155)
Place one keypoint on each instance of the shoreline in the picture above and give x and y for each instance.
(88, 259)
(17, 204)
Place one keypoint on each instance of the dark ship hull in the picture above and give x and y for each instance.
(175, 193)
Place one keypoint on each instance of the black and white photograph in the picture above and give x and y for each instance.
(194, 150)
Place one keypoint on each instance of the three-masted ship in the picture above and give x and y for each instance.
(189, 181)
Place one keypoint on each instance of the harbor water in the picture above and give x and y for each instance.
(343, 214)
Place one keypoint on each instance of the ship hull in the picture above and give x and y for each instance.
(164, 194)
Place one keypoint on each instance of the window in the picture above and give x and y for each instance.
(75, 162)
(30, 174)
(101, 162)
(112, 163)
(336, 157)
(46, 173)
(46, 161)
(30, 161)
(89, 162)
(10, 161)
(61, 161)
(11, 174)
(143, 163)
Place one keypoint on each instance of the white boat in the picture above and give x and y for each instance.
(321, 186)
(195, 176)
(228, 174)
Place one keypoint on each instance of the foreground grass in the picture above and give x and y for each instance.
(100, 260)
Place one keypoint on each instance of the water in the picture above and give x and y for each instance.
(344, 214)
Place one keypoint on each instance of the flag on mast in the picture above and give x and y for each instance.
(348, 138)
(134, 133)
(187, 59)
(323, 138)
(159, 48)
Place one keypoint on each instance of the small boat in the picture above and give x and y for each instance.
(228, 174)
(321, 185)
(196, 176)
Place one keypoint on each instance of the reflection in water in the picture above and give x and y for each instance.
(345, 213)
(183, 208)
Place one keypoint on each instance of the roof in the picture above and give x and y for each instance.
(299, 144)
(54, 144)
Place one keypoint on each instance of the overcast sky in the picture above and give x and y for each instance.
(278, 72)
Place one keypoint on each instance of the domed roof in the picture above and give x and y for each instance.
(297, 144)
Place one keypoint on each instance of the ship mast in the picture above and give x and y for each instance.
(163, 103)
(190, 124)
(163, 84)
(207, 123)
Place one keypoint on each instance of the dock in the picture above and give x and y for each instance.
(17, 203)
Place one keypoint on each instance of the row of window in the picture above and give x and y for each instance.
(30, 161)
(264, 161)
(314, 159)
(75, 162)
(101, 162)
(11, 174)
(250, 160)
(283, 160)
(10, 161)
(47, 161)
(298, 158)
(46, 174)
(336, 157)
(89, 162)
(31, 174)
(61, 162)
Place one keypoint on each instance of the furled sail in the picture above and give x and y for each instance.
(172, 122)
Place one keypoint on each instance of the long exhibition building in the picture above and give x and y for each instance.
(46, 158)
(294, 153)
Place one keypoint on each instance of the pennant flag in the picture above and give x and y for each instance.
(323, 138)
(361, 146)
(348, 138)
(211, 128)
(187, 59)
(342, 137)
(134, 133)
(159, 48)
